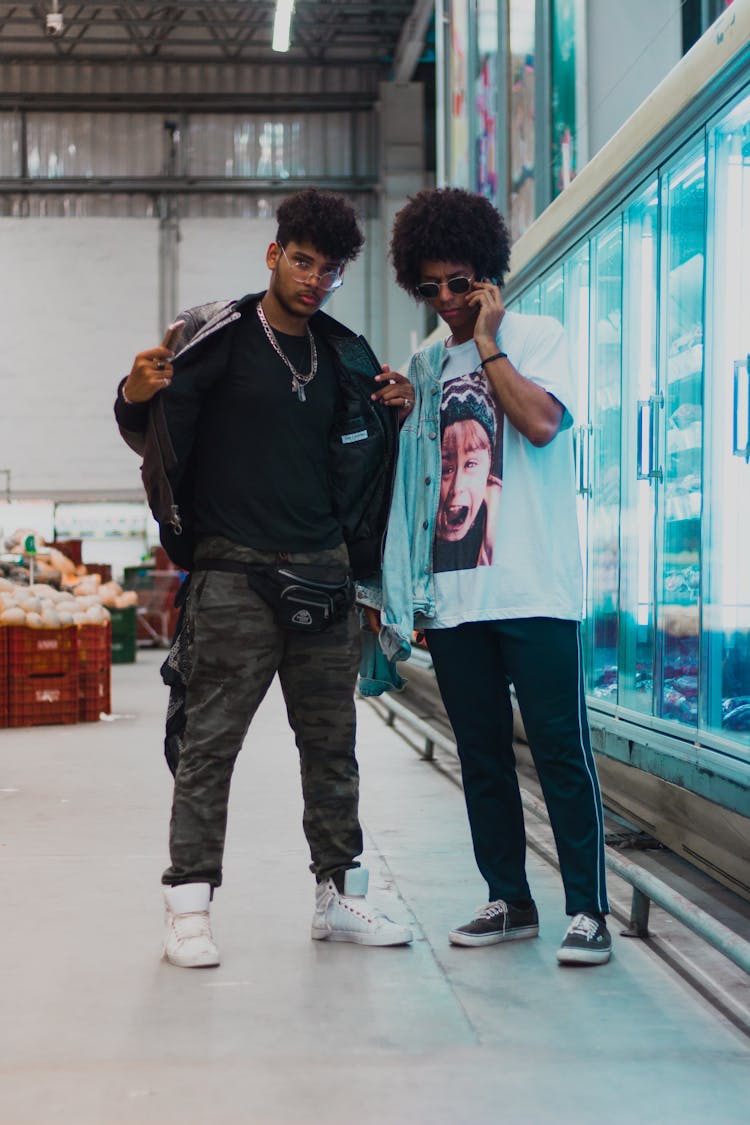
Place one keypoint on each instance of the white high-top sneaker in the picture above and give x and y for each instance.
(349, 917)
(188, 941)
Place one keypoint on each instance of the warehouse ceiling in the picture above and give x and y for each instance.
(324, 32)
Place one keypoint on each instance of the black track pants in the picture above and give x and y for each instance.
(542, 657)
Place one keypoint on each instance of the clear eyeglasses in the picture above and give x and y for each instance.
(300, 270)
(431, 289)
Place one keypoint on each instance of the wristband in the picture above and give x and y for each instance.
(125, 399)
(497, 355)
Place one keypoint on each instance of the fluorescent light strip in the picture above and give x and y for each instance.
(282, 24)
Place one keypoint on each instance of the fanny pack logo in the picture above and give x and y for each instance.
(302, 617)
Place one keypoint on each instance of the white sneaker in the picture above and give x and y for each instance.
(349, 917)
(189, 942)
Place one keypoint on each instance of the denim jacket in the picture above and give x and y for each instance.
(407, 586)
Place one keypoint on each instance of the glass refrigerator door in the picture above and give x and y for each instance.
(576, 321)
(683, 257)
(552, 295)
(641, 415)
(603, 548)
(726, 629)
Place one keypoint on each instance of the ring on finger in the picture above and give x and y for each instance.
(159, 364)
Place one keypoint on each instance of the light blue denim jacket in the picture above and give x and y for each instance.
(407, 591)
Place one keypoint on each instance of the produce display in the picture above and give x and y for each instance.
(56, 634)
(40, 606)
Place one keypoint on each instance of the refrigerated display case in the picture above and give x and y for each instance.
(654, 303)
(652, 243)
(726, 615)
(601, 626)
(640, 432)
(681, 370)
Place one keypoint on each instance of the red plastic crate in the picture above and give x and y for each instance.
(94, 647)
(41, 652)
(104, 570)
(94, 695)
(38, 700)
(71, 548)
(3, 677)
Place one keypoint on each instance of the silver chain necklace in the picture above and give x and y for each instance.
(299, 381)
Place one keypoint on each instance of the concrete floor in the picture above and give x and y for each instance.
(96, 1030)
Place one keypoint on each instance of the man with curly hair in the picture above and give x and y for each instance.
(268, 461)
(509, 610)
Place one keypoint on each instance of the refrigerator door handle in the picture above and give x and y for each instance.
(580, 438)
(584, 460)
(741, 366)
(640, 473)
(654, 404)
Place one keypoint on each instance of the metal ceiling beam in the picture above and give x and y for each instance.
(197, 102)
(326, 30)
(190, 185)
(410, 46)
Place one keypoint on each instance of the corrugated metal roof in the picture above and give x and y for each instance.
(327, 32)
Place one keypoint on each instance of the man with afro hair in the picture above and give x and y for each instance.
(510, 612)
(269, 434)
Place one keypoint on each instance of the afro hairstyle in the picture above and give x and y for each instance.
(322, 218)
(449, 225)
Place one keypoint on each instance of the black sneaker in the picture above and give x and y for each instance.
(497, 921)
(587, 941)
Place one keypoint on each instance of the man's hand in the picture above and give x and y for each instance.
(151, 371)
(397, 392)
(487, 300)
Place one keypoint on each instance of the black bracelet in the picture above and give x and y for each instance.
(497, 355)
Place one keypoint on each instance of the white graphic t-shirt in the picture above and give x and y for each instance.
(506, 536)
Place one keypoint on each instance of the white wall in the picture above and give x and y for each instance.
(631, 47)
(77, 297)
(222, 258)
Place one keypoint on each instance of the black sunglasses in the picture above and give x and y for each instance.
(430, 289)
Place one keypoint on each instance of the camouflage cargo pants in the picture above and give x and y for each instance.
(235, 650)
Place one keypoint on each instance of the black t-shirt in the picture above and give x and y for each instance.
(262, 459)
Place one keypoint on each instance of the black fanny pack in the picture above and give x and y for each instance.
(302, 596)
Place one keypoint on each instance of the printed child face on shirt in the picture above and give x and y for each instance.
(466, 463)
(471, 475)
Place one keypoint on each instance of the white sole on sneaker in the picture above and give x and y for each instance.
(455, 937)
(319, 934)
(583, 956)
(203, 961)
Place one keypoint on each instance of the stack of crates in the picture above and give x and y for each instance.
(3, 677)
(42, 680)
(94, 671)
(123, 635)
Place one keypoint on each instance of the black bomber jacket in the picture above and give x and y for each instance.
(362, 446)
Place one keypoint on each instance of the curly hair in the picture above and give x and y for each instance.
(449, 225)
(323, 218)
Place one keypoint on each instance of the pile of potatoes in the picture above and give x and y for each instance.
(40, 606)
